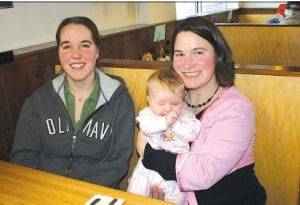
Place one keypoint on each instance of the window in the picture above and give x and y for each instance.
(201, 8)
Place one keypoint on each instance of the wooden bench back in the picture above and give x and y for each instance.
(264, 44)
(255, 18)
(277, 147)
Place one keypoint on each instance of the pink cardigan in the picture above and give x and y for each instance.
(224, 144)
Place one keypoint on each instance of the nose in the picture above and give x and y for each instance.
(188, 62)
(76, 53)
(167, 109)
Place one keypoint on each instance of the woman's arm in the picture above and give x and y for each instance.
(141, 144)
(111, 171)
(26, 147)
(225, 143)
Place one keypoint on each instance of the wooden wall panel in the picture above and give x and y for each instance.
(6, 126)
(105, 47)
(130, 45)
(144, 39)
(40, 69)
(251, 44)
(16, 88)
(264, 44)
(14, 91)
(112, 47)
(277, 148)
(255, 18)
(18, 79)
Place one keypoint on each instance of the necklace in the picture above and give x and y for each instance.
(80, 99)
(204, 103)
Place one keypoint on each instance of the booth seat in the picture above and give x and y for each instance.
(276, 101)
(277, 149)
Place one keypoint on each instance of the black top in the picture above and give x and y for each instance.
(239, 187)
(161, 161)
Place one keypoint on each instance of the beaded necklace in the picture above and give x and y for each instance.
(204, 103)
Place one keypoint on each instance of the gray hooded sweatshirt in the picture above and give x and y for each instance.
(99, 152)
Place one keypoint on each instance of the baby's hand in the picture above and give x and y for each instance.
(171, 118)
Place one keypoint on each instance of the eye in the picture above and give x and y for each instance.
(160, 103)
(65, 46)
(178, 54)
(85, 45)
(197, 53)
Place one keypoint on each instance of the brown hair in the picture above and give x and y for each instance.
(166, 78)
(205, 29)
(82, 21)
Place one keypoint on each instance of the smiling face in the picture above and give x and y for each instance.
(194, 60)
(77, 52)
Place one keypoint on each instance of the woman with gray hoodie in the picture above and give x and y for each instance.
(80, 124)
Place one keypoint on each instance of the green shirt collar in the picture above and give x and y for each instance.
(88, 107)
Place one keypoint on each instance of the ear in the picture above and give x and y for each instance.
(98, 54)
(148, 100)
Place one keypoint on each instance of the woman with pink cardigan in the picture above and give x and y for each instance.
(219, 168)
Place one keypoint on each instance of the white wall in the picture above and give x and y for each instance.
(151, 13)
(32, 23)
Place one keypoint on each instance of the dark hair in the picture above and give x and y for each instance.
(293, 5)
(205, 29)
(82, 21)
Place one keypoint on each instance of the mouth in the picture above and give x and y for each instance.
(77, 65)
(191, 74)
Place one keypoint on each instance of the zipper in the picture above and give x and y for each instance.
(90, 117)
(68, 171)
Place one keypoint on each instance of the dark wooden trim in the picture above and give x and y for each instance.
(268, 70)
(243, 11)
(256, 25)
(124, 63)
(36, 52)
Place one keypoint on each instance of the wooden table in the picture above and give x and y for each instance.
(23, 186)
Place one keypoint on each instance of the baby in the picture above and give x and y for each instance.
(168, 125)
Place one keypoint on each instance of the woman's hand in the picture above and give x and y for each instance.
(141, 143)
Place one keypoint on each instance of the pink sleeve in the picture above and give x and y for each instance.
(226, 137)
